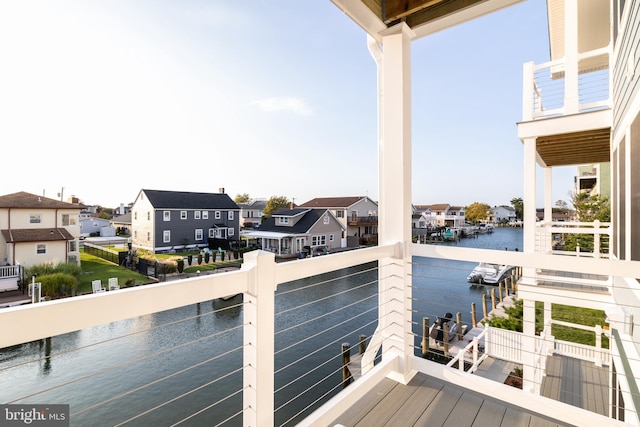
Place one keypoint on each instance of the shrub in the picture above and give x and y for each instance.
(199, 259)
(180, 266)
(207, 256)
(58, 285)
(190, 259)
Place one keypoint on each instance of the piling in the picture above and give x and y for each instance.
(459, 323)
(425, 337)
(346, 358)
(474, 321)
(362, 344)
(493, 298)
(445, 337)
(485, 310)
(500, 291)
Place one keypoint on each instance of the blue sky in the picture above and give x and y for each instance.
(105, 98)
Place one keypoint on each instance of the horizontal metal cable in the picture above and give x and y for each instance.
(310, 371)
(317, 399)
(211, 406)
(131, 334)
(180, 396)
(346, 291)
(159, 380)
(121, 365)
(324, 282)
(325, 314)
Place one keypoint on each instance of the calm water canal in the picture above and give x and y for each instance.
(169, 368)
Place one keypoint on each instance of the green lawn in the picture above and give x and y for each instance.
(94, 268)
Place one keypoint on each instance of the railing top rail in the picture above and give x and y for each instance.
(82, 312)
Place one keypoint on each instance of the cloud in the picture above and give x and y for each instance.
(290, 104)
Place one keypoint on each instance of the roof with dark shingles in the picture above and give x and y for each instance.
(302, 226)
(24, 200)
(332, 202)
(36, 235)
(122, 218)
(161, 199)
(436, 207)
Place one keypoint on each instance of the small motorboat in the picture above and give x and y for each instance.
(436, 331)
(490, 274)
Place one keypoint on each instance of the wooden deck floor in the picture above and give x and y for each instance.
(578, 383)
(426, 401)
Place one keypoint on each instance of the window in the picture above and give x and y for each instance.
(230, 215)
(41, 249)
(212, 232)
(72, 246)
(135, 234)
(68, 220)
(166, 215)
(318, 240)
(283, 220)
(205, 214)
(149, 216)
(217, 215)
(148, 236)
(35, 219)
(331, 237)
(198, 235)
(339, 213)
(326, 219)
(135, 216)
(183, 214)
(166, 236)
(196, 214)
(230, 232)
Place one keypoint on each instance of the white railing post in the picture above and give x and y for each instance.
(528, 91)
(596, 239)
(598, 355)
(258, 338)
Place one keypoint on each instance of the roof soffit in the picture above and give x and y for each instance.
(424, 17)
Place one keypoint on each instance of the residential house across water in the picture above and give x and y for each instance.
(358, 215)
(163, 221)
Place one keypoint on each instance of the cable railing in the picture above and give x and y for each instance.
(135, 371)
(548, 89)
(535, 356)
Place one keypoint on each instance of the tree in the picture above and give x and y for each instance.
(275, 203)
(477, 212)
(562, 205)
(589, 208)
(517, 204)
(242, 198)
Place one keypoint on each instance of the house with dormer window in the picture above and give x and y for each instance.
(299, 230)
(162, 221)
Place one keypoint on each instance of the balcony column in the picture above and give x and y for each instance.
(571, 98)
(394, 154)
(529, 346)
(259, 332)
(548, 195)
(529, 205)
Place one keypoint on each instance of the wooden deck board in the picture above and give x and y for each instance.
(426, 401)
(578, 383)
(410, 411)
(490, 414)
(465, 412)
(367, 404)
(388, 406)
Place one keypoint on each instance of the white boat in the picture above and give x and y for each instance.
(490, 274)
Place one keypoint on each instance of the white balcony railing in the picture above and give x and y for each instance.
(551, 235)
(547, 90)
(262, 333)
